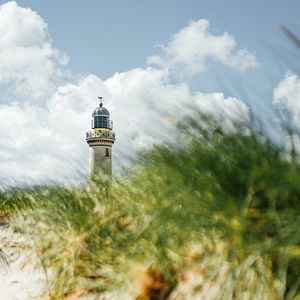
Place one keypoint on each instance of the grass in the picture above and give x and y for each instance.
(217, 215)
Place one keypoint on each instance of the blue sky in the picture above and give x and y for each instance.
(104, 37)
(222, 57)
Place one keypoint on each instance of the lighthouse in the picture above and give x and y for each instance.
(100, 140)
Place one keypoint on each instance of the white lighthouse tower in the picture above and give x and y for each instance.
(100, 141)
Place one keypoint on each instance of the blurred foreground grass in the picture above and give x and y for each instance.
(215, 217)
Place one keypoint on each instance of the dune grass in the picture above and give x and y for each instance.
(217, 216)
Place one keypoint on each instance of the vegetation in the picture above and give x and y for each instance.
(216, 216)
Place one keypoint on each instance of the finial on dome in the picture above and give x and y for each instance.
(101, 103)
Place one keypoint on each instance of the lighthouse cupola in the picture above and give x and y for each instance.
(100, 118)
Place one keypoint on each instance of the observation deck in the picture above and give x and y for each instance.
(100, 138)
(106, 135)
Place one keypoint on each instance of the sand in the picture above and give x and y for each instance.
(20, 278)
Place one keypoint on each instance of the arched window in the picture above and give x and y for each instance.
(107, 152)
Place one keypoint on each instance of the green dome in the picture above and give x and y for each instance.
(100, 111)
(100, 117)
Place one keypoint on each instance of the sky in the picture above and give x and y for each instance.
(148, 59)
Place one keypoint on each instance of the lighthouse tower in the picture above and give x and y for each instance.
(100, 141)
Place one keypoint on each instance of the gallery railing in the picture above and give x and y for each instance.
(107, 135)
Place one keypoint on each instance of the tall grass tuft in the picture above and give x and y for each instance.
(214, 217)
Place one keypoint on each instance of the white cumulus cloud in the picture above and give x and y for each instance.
(28, 59)
(146, 107)
(192, 46)
(286, 102)
(286, 99)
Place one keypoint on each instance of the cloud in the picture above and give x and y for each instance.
(27, 58)
(147, 106)
(286, 102)
(194, 45)
(286, 99)
(42, 137)
(42, 142)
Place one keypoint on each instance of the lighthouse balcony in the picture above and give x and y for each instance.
(105, 135)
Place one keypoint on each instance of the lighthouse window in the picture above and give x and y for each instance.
(107, 152)
(100, 122)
